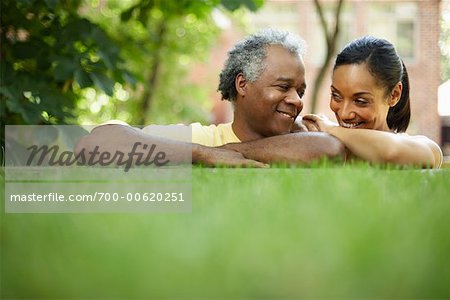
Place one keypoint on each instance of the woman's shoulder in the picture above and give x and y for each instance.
(434, 147)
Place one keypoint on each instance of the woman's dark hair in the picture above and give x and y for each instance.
(388, 69)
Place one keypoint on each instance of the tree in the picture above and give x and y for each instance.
(46, 49)
(331, 34)
(51, 53)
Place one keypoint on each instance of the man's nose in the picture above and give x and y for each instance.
(294, 98)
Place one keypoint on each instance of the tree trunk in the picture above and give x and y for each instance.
(331, 40)
(151, 82)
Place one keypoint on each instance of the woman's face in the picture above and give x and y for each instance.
(357, 100)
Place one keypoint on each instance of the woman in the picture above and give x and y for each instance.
(370, 92)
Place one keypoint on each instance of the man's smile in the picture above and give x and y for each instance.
(290, 114)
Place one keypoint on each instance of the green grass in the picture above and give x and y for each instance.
(337, 232)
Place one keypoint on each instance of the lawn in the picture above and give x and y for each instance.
(326, 232)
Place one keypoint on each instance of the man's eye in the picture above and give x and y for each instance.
(284, 87)
(301, 94)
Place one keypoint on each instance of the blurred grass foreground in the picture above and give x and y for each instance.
(338, 232)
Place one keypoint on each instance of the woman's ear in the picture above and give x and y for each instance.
(241, 84)
(396, 94)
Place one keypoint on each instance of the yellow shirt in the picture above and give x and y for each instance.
(211, 135)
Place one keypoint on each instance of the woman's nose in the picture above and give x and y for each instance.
(347, 112)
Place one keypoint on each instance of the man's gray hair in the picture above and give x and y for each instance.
(248, 57)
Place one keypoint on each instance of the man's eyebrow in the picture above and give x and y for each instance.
(287, 79)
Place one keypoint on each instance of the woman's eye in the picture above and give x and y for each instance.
(361, 101)
(336, 97)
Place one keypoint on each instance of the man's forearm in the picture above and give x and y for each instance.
(128, 140)
(300, 147)
(132, 142)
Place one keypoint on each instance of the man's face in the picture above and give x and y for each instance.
(269, 106)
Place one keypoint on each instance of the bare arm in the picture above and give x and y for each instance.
(299, 148)
(385, 147)
(120, 138)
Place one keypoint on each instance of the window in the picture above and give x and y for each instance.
(395, 22)
(405, 39)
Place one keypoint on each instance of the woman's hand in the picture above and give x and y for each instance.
(321, 122)
(301, 125)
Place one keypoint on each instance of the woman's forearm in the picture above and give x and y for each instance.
(386, 147)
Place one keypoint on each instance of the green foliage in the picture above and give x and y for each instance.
(47, 49)
(335, 233)
(159, 51)
(160, 40)
(88, 61)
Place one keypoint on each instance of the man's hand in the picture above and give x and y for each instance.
(214, 157)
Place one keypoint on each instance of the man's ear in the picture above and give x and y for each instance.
(241, 84)
(396, 94)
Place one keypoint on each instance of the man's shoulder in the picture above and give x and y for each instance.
(222, 126)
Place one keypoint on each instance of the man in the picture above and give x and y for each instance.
(264, 78)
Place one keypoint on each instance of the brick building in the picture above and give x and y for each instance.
(412, 26)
